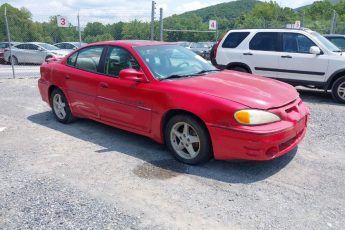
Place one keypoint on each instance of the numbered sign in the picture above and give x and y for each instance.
(62, 21)
(297, 25)
(213, 25)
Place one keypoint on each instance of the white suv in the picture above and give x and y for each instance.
(299, 57)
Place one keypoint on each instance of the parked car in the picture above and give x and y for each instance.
(3, 46)
(184, 44)
(299, 57)
(34, 53)
(166, 92)
(69, 45)
(337, 39)
(201, 48)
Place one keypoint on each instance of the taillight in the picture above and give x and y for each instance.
(216, 47)
(215, 50)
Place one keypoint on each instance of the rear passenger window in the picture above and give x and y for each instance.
(234, 39)
(264, 41)
(22, 46)
(87, 59)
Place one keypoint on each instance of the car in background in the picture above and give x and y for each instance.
(33, 53)
(167, 93)
(337, 39)
(301, 57)
(184, 44)
(3, 47)
(201, 48)
(69, 45)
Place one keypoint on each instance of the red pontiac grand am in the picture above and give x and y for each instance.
(168, 93)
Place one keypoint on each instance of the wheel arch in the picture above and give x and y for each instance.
(336, 75)
(173, 112)
(50, 90)
(239, 64)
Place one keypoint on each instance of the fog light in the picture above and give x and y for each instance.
(272, 152)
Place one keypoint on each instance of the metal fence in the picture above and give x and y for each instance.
(82, 26)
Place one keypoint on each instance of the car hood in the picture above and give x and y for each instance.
(249, 90)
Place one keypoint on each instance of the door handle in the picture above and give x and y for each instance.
(104, 85)
(248, 54)
(67, 77)
(286, 56)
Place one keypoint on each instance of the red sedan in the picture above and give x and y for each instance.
(170, 94)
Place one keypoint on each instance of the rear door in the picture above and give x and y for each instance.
(297, 63)
(263, 54)
(81, 76)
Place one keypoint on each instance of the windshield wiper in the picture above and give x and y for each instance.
(174, 76)
(206, 71)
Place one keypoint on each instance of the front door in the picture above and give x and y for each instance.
(297, 63)
(123, 102)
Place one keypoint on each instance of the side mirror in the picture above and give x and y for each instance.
(40, 49)
(133, 75)
(315, 50)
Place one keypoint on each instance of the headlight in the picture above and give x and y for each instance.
(255, 117)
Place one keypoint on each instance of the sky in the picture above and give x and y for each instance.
(110, 11)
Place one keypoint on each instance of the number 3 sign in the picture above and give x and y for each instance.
(62, 21)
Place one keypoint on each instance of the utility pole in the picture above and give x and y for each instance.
(9, 43)
(303, 19)
(333, 22)
(161, 27)
(153, 20)
(79, 29)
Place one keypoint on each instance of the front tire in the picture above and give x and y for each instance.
(14, 60)
(60, 107)
(338, 90)
(188, 140)
(48, 57)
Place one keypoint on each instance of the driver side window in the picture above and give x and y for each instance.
(119, 59)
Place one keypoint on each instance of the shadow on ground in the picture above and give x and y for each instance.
(159, 164)
(316, 96)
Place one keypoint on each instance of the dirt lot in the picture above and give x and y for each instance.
(88, 175)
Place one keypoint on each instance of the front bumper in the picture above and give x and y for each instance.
(256, 144)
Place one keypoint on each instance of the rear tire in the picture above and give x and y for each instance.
(60, 107)
(188, 140)
(338, 90)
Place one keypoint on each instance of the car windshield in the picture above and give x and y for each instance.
(48, 46)
(172, 61)
(329, 45)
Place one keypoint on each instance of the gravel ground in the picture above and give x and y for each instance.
(88, 175)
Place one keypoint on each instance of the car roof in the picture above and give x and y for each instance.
(35, 43)
(334, 35)
(74, 43)
(273, 30)
(131, 43)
